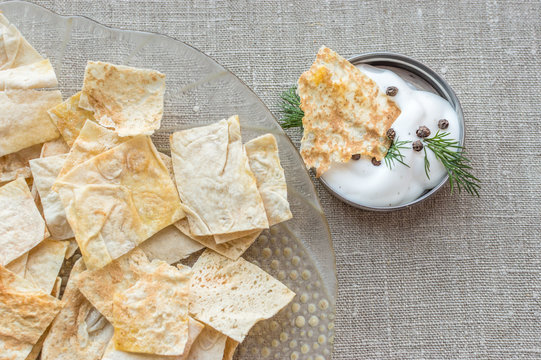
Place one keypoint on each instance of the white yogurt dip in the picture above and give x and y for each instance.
(361, 182)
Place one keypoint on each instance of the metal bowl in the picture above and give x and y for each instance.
(423, 78)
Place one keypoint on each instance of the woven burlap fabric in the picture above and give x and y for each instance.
(456, 277)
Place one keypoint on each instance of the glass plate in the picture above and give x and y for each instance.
(201, 91)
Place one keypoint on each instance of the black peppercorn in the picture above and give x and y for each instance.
(391, 91)
(417, 145)
(391, 133)
(423, 132)
(376, 162)
(355, 156)
(443, 124)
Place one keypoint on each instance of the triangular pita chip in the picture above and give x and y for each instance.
(231, 296)
(24, 120)
(25, 311)
(14, 49)
(54, 147)
(18, 266)
(127, 99)
(16, 164)
(210, 345)
(22, 226)
(151, 317)
(214, 180)
(100, 285)
(170, 245)
(33, 76)
(118, 199)
(44, 263)
(345, 113)
(271, 181)
(79, 332)
(69, 118)
(45, 171)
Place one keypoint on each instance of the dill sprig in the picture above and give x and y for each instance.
(290, 107)
(394, 154)
(451, 154)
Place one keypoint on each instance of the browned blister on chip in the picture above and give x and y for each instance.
(345, 113)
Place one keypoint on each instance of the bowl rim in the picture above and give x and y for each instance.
(443, 89)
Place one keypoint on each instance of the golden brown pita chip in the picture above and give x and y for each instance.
(151, 317)
(271, 181)
(230, 347)
(22, 226)
(69, 118)
(14, 49)
(16, 164)
(79, 332)
(118, 199)
(13, 349)
(44, 263)
(345, 113)
(24, 120)
(209, 345)
(55, 147)
(127, 99)
(32, 76)
(214, 180)
(231, 296)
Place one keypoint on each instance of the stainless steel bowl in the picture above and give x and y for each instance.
(423, 78)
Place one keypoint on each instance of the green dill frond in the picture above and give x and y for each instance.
(290, 108)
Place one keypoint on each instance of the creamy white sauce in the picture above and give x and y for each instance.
(378, 186)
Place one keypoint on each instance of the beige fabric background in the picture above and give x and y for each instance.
(456, 277)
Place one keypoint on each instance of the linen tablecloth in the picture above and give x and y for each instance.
(456, 277)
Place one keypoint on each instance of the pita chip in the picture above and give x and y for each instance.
(170, 245)
(79, 332)
(231, 296)
(44, 263)
(55, 147)
(271, 181)
(72, 247)
(18, 266)
(22, 226)
(214, 180)
(56, 288)
(210, 345)
(126, 99)
(69, 118)
(99, 286)
(230, 347)
(15, 51)
(194, 329)
(118, 199)
(24, 120)
(25, 311)
(13, 349)
(151, 317)
(16, 164)
(345, 113)
(45, 171)
(33, 76)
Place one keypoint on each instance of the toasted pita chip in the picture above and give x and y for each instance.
(22, 226)
(232, 249)
(127, 99)
(118, 199)
(72, 248)
(230, 347)
(13, 349)
(45, 171)
(55, 147)
(36, 348)
(79, 332)
(25, 311)
(92, 141)
(271, 181)
(18, 266)
(214, 180)
(56, 287)
(14, 49)
(69, 118)
(16, 164)
(44, 263)
(33, 76)
(100, 285)
(194, 329)
(24, 120)
(210, 345)
(170, 245)
(231, 296)
(151, 317)
(345, 113)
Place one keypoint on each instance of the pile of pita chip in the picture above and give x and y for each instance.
(84, 175)
(345, 113)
